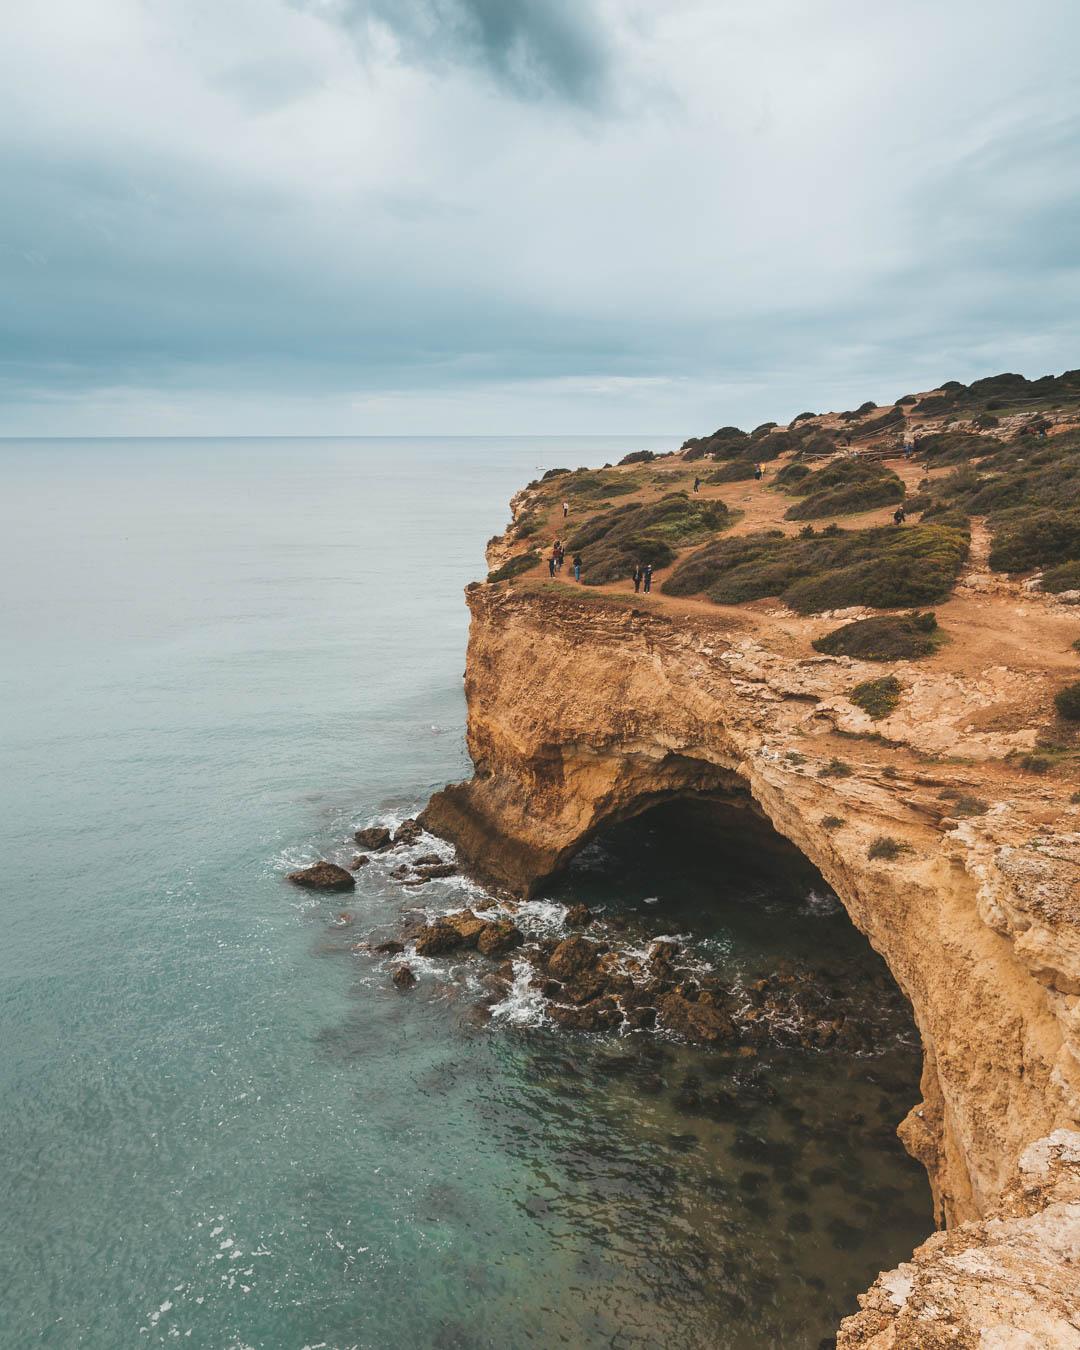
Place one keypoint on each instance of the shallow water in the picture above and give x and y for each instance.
(220, 1125)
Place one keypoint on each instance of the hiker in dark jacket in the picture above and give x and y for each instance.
(697, 483)
(551, 565)
(646, 577)
(899, 516)
(577, 566)
(637, 577)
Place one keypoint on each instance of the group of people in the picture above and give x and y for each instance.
(558, 557)
(642, 577)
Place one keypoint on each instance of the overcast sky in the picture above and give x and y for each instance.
(496, 216)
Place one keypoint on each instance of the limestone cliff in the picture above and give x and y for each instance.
(586, 709)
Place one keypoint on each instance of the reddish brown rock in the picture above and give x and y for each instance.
(375, 838)
(436, 938)
(361, 860)
(403, 977)
(467, 925)
(391, 948)
(323, 876)
(497, 937)
(599, 1015)
(696, 1021)
(407, 832)
(571, 957)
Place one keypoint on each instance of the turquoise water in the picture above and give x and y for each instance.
(221, 1125)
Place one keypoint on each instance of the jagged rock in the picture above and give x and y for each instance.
(498, 936)
(434, 870)
(428, 860)
(391, 948)
(696, 1021)
(599, 1015)
(436, 938)
(361, 860)
(467, 925)
(323, 876)
(403, 977)
(571, 957)
(374, 838)
(584, 987)
(579, 915)
(407, 832)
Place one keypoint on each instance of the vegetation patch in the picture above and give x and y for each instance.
(735, 471)
(1067, 702)
(613, 541)
(513, 567)
(1066, 577)
(836, 768)
(889, 637)
(887, 850)
(831, 822)
(638, 457)
(963, 804)
(842, 487)
(877, 698)
(882, 567)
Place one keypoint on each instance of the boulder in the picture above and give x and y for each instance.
(391, 948)
(698, 1022)
(584, 987)
(579, 915)
(361, 860)
(323, 876)
(433, 870)
(435, 938)
(374, 837)
(571, 957)
(407, 832)
(403, 977)
(498, 936)
(467, 925)
(428, 860)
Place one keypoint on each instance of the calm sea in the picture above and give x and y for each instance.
(221, 1126)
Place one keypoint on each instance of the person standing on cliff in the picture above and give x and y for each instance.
(560, 554)
(565, 510)
(551, 565)
(697, 483)
(646, 577)
(637, 577)
(577, 566)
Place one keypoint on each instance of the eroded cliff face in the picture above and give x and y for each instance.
(586, 710)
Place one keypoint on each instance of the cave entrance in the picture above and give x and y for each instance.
(781, 1143)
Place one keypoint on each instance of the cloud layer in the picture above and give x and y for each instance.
(357, 216)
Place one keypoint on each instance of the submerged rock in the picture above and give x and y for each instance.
(323, 876)
(361, 860)
(374, 837)
(403, 977)
(391, 948)
(599, 1015)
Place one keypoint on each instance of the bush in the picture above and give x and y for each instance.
(887, 849)
(844, 501)
(878, 698)
(513, 567)
(638, 457)
(836, 768)
(735, 471)
(881, 567)
(893, 418)
(963, 804)
(1034, 539)
(791, 475)
(763, 430)
(651, 532)
(1066, 577)
(831, 822)
(802, 417)
(899, 637)
(1067, 702)
(906, 401)
(553, 473)
(1034, 763)
(986, 421)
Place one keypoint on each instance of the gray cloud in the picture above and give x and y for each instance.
(532, 47)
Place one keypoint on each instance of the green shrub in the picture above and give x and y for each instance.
(651, 532)
(801, 417)
(735, 471)
(513, 567)
(889, 637)
(845, 501)
(1076, 645)
(875, 425)
(552, 473)
(955, 447)
(791, 475)
(1034, 763)
(887, 849)
(763, 430)
(1035, 539)
(964, 805)
(1067, 701)
(878, 698)
(831, 822)
(638, 457)
(881, 567)
(836, 768)
(906, 401)
(1065, 577)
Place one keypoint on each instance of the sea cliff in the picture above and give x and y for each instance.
(588, 707)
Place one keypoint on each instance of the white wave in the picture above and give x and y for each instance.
(523, 1004)
(820, 904)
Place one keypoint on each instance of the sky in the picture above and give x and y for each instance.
(493, 217)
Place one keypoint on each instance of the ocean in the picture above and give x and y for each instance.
(220, 1124)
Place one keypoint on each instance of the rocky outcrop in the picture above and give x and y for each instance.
(586, 711)
(323, 876)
